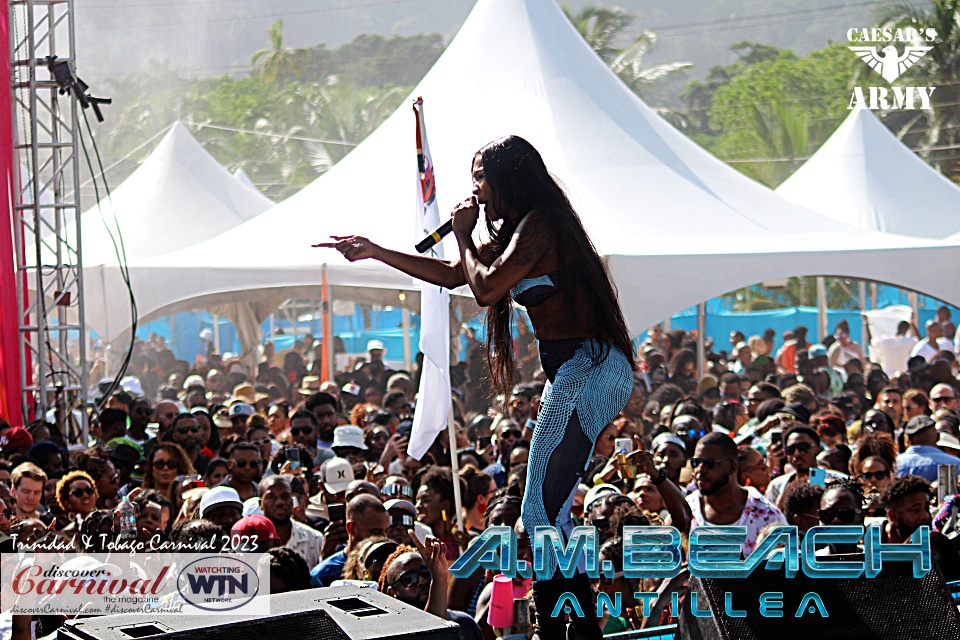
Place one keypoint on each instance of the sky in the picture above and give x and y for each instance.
(216, 37)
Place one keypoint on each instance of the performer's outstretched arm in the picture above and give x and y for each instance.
(443, 273)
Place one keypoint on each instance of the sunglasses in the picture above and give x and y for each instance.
(410, 578)
(511, 432)
(242, 464)
(843, 516)
(802, 447)
(397, 490)
(601, 524)
(874, 475)
(406, 521)
(879, 512)
(693, 433)
(298, 430)
(182, 430)
(708, 463)
(165, 464)
(76, 493)
(943, 399)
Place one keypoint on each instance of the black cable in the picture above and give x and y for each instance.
(119, 252)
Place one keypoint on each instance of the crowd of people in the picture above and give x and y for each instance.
(805, 434)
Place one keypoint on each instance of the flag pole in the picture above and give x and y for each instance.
(455, 466)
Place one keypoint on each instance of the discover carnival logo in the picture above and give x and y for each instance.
(885, 58)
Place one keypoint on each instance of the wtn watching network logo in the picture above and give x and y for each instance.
(887, 61)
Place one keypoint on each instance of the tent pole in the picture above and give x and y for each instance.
(701, 338)
(914, 306)
(864, 343)
(405, 313)
(821, 308)
(216, 335)
(328, 341)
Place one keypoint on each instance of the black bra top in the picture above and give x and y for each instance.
(530, 292)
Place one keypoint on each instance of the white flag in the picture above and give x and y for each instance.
(433, 401)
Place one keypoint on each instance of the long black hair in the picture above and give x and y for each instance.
(519, 180)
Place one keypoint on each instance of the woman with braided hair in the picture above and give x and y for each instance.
(539, 256)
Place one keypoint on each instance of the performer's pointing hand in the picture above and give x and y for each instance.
(465, 216)
(353, 248)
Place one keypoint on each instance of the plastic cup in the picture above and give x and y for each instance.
(500, 614)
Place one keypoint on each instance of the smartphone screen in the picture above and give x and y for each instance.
(337, 512)
(623, 445)
(484, 442)
(776, 437)
(293, 457)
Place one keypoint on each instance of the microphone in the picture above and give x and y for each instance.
(431, 240)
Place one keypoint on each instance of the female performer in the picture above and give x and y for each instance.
(540, 257)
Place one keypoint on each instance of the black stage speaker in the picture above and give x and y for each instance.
(335, 613)
(892, 606)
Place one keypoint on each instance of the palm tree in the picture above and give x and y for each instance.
(345, 115)
(603, 28)
(277, 62)
(600, 27)
(940, 68)
(783, 134)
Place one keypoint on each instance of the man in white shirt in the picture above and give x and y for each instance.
(276, 499)
(933, 344)
(802, 446)
(719, 499)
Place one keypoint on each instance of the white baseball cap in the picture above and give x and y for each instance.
(597, 492)
(337, 475)
(194, 381)
(251, 507)
(218, 496)
(131, 384)
(241, 409)
(376, 344)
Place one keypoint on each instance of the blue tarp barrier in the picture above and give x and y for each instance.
(183, 335)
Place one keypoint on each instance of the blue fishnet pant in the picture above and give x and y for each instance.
(584, 398)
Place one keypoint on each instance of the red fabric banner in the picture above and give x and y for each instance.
(10, 407)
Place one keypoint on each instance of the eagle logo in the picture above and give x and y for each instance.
(427, 184)
(890, 64)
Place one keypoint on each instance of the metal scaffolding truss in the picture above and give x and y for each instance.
(47, 220)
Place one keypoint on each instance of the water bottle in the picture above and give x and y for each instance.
(128, 519)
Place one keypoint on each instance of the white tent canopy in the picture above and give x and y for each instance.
(178, 197)
(242, 176)
(864, 176)
(678, 225)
